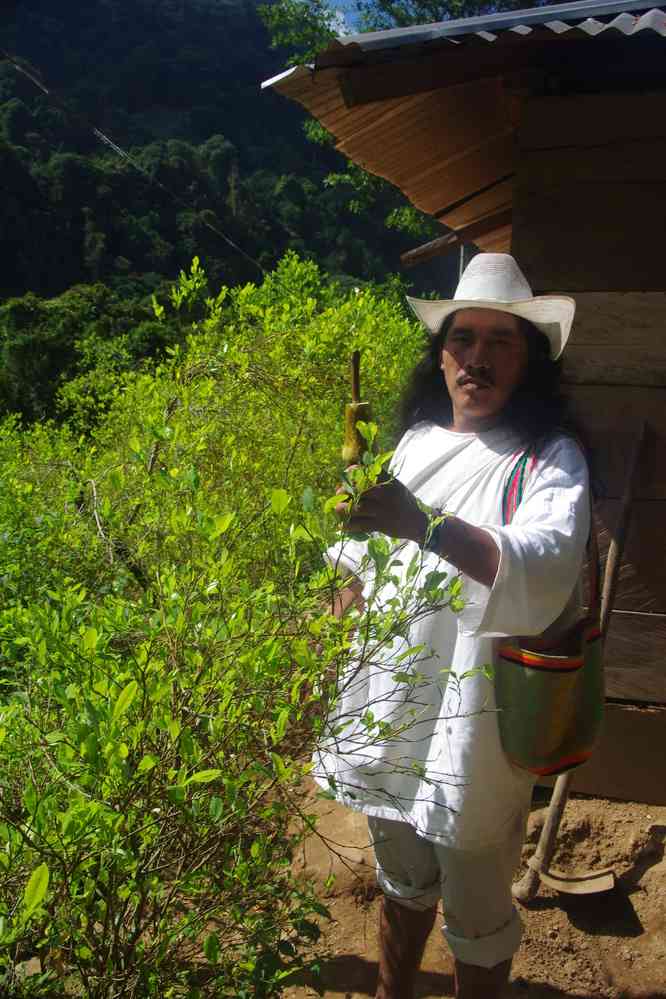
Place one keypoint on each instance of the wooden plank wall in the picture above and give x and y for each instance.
(590, 207)
(621, 392)
(615, 368)
(590, 192)
(629, 762)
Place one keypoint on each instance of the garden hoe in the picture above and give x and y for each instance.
(538, 866)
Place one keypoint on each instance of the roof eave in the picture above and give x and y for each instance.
(423, 33)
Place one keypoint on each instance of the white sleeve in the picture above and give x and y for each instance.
(346, 556)
(541, 550)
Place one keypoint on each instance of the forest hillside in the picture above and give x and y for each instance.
(177, 86)
(199, 162)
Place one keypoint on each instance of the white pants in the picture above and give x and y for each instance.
(482, 926)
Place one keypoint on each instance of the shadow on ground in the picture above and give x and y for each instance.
(610, 913)
(350, 975)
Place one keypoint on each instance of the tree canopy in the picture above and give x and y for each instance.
(213, 163)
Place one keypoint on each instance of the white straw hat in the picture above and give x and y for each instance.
(495, 281)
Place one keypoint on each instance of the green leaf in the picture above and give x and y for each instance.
(211, 948)
(368, 431)
(216, 809)
(147, 763)
(203, 777)
(191, 478)
(68, 820)
(280, 500)
(410, 653)
(35, 890)
(125, 698)
(278, 765)
(380, 552)
(222, 524)
(334, 500)
(90, 638)
(281, 723)
(308, 499)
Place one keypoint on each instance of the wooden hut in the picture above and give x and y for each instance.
(543, 132)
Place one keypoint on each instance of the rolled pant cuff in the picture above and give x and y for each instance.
(487, 951)
(418, 899)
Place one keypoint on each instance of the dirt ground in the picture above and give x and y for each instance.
(611, 945)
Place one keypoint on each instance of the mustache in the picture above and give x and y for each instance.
(475, 376)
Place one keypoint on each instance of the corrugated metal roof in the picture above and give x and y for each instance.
(587, 15)
(434, 110)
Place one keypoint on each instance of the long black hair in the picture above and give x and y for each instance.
(536, 410)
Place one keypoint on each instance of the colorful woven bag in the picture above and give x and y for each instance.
(550, 695)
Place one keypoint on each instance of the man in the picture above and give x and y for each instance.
(446, 809)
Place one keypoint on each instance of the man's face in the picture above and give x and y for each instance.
(484, 359)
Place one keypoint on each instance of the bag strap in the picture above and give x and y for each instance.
(512, 496)
(515, 484)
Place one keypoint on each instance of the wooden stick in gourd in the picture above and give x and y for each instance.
(355, 444)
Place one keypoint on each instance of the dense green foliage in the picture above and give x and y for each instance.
(167, 656)
(61, 357)
(216, 169)
(212, 158)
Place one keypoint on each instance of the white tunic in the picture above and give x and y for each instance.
(446, 773)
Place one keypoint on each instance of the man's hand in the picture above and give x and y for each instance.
(389, 508)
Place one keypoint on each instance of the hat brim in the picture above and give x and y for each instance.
(551, 314)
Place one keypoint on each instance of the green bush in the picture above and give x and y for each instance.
(62, 356)
(166, 652)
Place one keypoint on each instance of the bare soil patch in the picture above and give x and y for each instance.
(610, 945)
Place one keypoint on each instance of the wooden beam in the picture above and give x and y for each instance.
(461, 202)
(435, 248)
(467, 234)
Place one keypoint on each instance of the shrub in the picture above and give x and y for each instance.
(166, 652)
